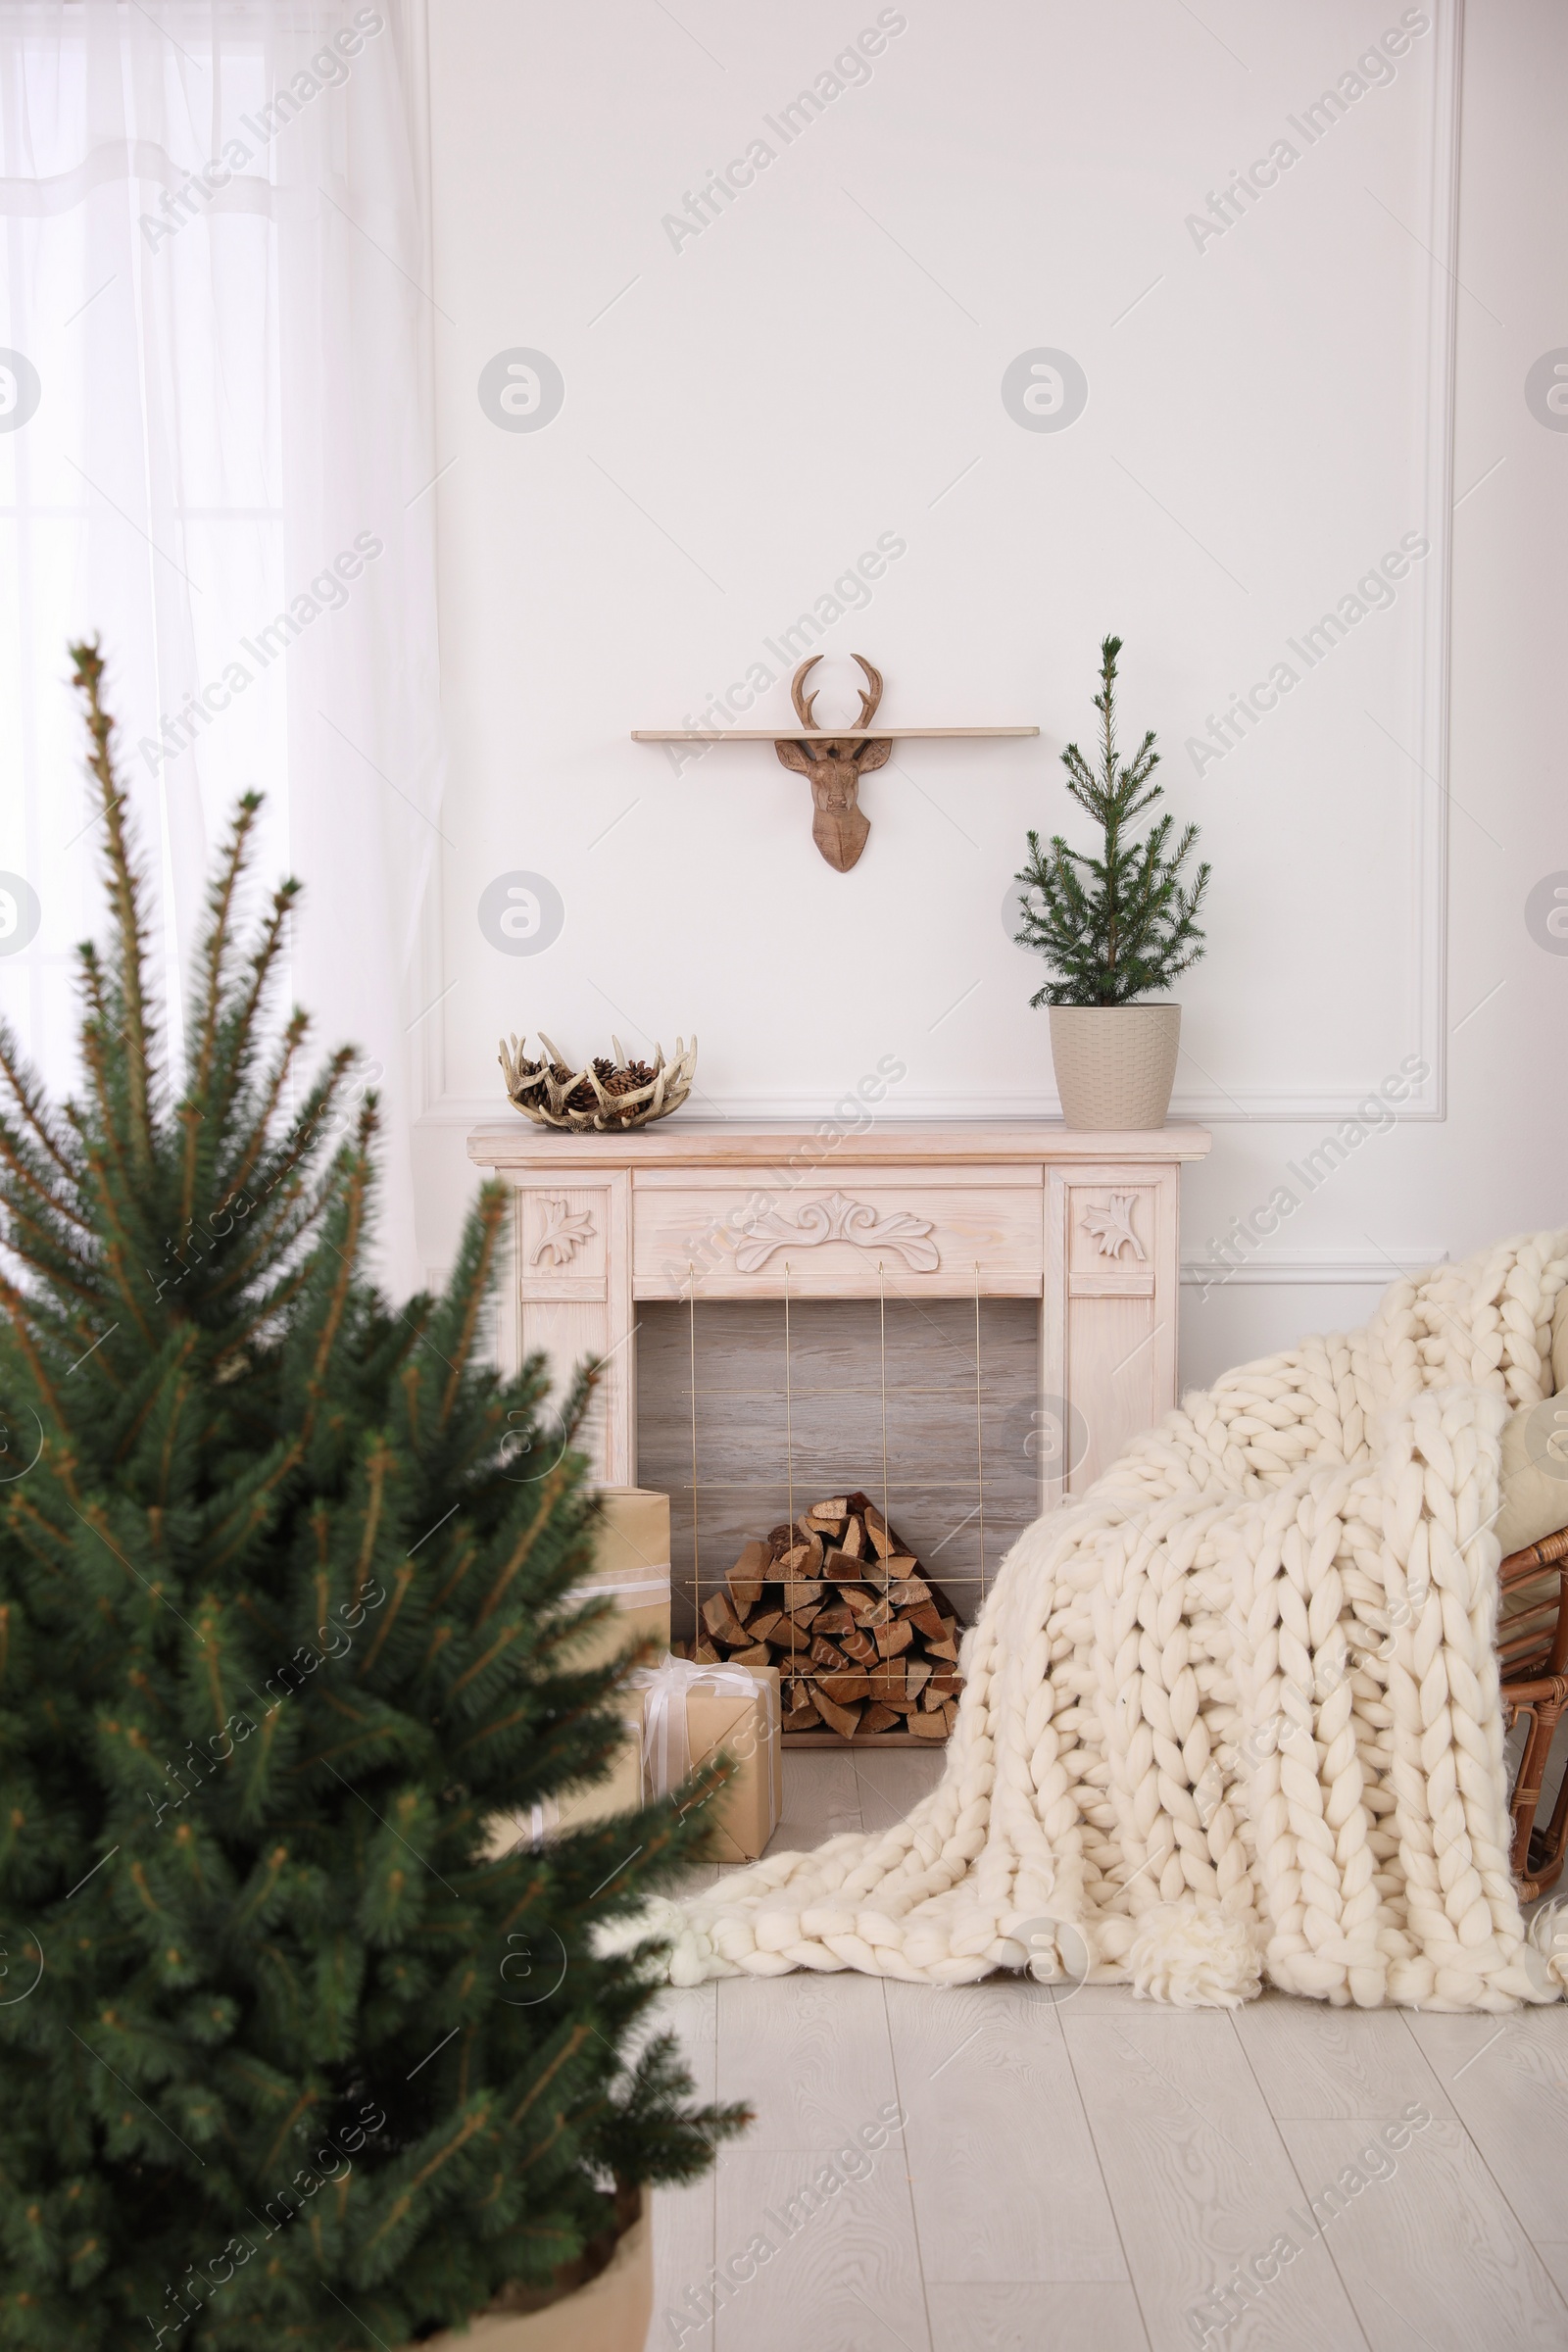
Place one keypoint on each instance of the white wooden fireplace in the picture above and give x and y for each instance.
(709, 1211)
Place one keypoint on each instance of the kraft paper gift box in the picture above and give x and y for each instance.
(691, 1711)
(623, 1793)
(631, 1566)
(579, 1808)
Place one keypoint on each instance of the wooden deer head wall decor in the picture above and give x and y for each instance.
(835, 764)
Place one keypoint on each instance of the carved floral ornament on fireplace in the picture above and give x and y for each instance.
(563, 1233)
(836, 1218)
(1110, 1227)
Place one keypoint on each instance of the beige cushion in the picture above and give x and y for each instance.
(1559, 1343)
(1535, 1465)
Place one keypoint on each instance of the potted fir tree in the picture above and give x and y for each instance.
(294, 2052)
(1117, 929)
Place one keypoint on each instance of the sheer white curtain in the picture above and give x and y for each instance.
(215, 452)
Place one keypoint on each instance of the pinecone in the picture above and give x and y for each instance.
(622, 1081)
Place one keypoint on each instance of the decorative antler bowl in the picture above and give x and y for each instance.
(604, 1094)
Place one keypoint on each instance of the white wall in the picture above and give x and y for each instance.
(749, 409)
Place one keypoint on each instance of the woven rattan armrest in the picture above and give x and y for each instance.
(1533, 1653)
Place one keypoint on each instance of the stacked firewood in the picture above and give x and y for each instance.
(864, 1643)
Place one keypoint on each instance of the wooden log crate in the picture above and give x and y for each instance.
(865, 1643)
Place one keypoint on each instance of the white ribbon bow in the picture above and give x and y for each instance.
(666, 1689)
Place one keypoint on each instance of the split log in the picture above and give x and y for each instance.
(842, 1688)
(721, 1621)
(747, 1575)
(839, 1620)
(845, 1720)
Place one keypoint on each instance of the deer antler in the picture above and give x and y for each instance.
(805, 704)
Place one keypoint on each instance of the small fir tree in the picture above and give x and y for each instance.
(289, 2055)
(1121, 926)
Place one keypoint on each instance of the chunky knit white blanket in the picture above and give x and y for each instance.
(1233, 1714)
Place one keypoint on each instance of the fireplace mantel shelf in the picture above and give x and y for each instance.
(822, 734)
(516, 1142)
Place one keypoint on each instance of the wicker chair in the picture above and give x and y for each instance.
(1532, 1652)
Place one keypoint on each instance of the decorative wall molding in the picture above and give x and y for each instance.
(1417, 852)
(837, 1219)
(1442, 330)
(1373, 1269)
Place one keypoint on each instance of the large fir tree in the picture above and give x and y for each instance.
(288, 2057)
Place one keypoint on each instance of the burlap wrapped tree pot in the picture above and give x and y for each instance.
(608, 2312)
(1116, 1064)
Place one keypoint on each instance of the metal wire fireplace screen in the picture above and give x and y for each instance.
(748, 1413)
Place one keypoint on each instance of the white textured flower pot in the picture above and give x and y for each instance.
(610, 2314)
(1116, 1064)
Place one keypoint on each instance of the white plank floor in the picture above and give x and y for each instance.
(1078, 2174)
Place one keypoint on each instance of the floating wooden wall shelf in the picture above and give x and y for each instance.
(839, 826)
(817, 734)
